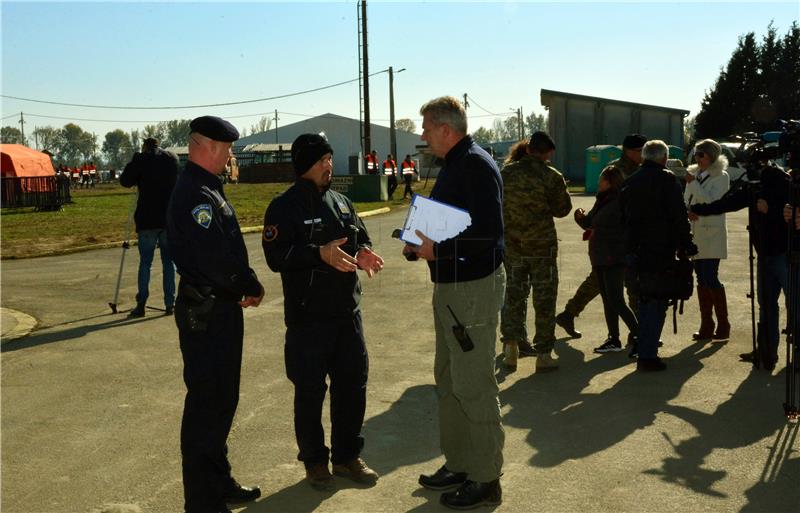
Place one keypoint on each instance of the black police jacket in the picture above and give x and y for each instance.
(656, 224)
(154, 173)
(204, 237)
(296, 224)
(769, 230)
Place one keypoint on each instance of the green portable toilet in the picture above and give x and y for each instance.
(675, 152)
(596, 159)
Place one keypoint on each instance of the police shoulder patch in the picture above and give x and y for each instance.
(202, 214)
(270, 233)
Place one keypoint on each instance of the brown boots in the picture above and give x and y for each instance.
(721, 310)
(712, 301)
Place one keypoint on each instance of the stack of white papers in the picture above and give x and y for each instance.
(438, 221)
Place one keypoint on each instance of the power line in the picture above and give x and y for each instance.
(223, 104)
(482, 108)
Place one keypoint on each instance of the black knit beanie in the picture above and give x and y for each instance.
(307, 149)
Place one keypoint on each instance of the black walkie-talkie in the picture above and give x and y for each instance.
(460, 332)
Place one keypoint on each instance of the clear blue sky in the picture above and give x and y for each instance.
(500, 53)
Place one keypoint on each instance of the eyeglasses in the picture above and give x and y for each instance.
(699, 154)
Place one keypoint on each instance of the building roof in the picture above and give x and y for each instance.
(547, 94)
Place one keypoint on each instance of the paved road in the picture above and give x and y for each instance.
(91, 403)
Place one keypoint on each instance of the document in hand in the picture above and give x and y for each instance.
(438, 221)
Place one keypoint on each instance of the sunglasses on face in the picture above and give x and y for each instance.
(699, 154)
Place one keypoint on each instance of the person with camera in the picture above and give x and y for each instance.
(706, 182)
(154, 172)
(656, 229)
(768, 231)
(314, 238)
(603, 224)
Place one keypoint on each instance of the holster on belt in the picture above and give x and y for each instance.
(199, 302)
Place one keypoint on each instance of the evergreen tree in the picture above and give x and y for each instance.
(727, 108)
(787, 81)
(758, 86)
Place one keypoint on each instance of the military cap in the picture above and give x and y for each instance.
(307, 149)
(214, 128)
(634, 141)
(540, 141)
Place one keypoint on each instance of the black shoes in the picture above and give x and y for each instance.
(169, 310)
(650, 365)
(238, 494)
(751, 358)
(566, 321)
(526, 349)
(472, 494)
(634, 352)
(442, 479)
(137, 312)
(611, 345)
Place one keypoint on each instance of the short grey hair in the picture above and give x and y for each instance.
(446, 110)
(655, 150)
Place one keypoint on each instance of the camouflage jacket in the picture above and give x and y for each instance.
(534, 193)
(624, 164)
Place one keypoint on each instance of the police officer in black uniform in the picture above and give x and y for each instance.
(314, 238)
(216, 282)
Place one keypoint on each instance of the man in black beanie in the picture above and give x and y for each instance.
(314, 238)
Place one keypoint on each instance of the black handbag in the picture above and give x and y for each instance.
(672, 282)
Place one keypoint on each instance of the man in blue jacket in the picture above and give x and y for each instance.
(469, 286)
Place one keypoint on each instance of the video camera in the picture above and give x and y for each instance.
(757, 152)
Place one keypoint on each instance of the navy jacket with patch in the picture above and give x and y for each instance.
(204, 236)
(296, 224)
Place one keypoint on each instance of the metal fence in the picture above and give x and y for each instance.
(41, 192)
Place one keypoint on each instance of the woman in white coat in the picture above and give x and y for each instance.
(707, 181)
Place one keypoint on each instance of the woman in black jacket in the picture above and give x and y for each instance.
(607, 255)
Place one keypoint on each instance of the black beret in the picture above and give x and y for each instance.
(214, 128)
(307, 149)
(540, 141)
(634, 141)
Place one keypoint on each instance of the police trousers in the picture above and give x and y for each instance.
(470, 433)
(211, 370)
(328, 348)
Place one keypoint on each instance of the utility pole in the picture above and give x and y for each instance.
(392, 129)
(22, 126)
(276, 126)
(466, 103)
(519, 124)
(367, 131)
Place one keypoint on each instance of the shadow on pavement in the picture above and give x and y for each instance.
(588, 423)
(297, 498)
(778, 487)
(405, 434)
(752, 413)
(44, 335)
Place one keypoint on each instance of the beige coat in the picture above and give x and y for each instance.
(710, 232)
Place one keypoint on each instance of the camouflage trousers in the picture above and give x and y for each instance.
(590, 289)
(536, 274)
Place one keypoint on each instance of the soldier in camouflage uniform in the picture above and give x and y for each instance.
(589, 289)
(534, 193)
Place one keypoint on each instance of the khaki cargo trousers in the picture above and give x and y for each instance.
(470, 433)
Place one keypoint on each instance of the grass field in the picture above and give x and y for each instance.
(100, 215)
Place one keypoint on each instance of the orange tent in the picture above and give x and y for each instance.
(17, 160)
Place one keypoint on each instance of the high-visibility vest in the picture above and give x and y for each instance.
(372, 164)
(389, 167)
(408, 168)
